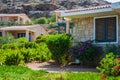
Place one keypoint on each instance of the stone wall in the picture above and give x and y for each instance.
(83, 29)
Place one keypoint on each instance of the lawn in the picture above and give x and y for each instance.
(24, 73)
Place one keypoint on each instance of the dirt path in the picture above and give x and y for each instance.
(51, 66)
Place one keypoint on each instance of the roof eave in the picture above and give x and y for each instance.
(64, 14)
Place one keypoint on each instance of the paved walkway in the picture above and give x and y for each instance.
(53, 67)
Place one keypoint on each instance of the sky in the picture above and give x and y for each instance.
(113, 0)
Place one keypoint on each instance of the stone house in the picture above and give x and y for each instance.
(29, 32)
(100, 23)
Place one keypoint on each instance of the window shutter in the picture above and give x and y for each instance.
(111, 29)
(100, 29)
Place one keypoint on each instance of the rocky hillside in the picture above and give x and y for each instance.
(39, 8)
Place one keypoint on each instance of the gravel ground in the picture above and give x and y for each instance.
(51, 66)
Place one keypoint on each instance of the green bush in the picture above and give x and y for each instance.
(1, 23)
(20, 45)
(53, 18)
(8, 38)
(22, 40)
(2, 57)
(110, 65)
(28, 54)
(40, 53)
(22, 50)
(113, 48)
(43, 53)
(30, 45)
(41, 20)
(58, 44)
(10, 46)
(40, 39)
(12, 57)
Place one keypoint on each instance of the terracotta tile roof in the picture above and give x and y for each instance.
(86, 9)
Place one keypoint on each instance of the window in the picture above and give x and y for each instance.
(21, 35)
(105, 29)
(24, 35)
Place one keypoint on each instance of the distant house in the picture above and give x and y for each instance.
(19, 18)
(100, 23)
(30, 32)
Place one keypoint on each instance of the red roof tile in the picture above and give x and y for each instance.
(91, 8)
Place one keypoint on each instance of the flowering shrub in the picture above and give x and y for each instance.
(86, 51)
(109, 65)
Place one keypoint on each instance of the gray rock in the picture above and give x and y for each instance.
(40, 8)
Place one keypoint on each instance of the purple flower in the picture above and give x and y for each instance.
(75, 54)
(81, 49)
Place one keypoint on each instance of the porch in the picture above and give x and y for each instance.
(17, 33)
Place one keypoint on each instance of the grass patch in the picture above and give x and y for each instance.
(78, 76)
(24, 73)
(18, 73)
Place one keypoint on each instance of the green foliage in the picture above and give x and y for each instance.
(113, 48)
(30, 45)
(19, 73)
(50, 46)
(53, 18)
(41, 20)
(24, 73)
(110, 65)
(10, 23)
(40, 53)
(1, 23)
(12, 57)
(20, 45)
(29, 23)
(28, 54)
(2, 57)
(58, 44)
(40, 39)
(30, 51)
(22, 40)
(43, 53)
(10, 46)
(8, 38)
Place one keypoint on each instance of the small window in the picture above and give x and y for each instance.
(21, 35)
(105, 29)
